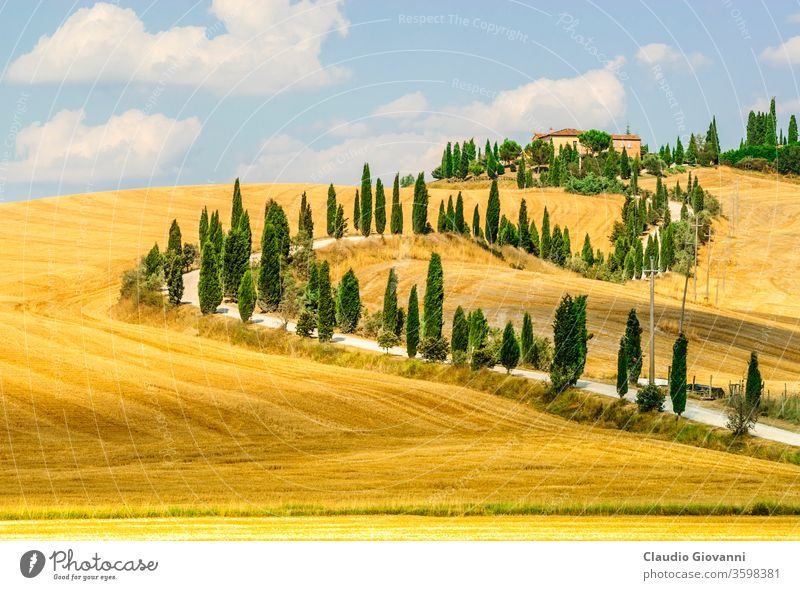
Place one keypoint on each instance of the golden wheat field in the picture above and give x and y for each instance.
(98, 413)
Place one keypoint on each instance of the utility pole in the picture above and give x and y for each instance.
(696, 228)
(708, 265)
(652, 273)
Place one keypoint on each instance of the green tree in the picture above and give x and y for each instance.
(390, 302)
(434, 299)
(460, 336)
(456, 164)
(174, 272)
(412, 324)
(175, 243)
(269, 272)
(326, 313)
(633, 340)
(357, 212)
(792, 130)
(419, 214)
(366, 202)
(247, 297)
(534, 236)
(331, 211)
(557, 246)
(447, 168)
(566, 245)
(348, 303)
(277, 217)
(153, 262)
(521, 174)
(236, 206)
(380, 207)
(691, 151)
(509, 349)
(526, 339)
(203, 233)
(677, 376)
(476, 222)
(544, 241)
(570, 341)
(397, 207)
(622, 368)
(235, 262)
(340, 227)
(441, 220)
(209, 287)
(493, 214)
(624, 165)
(216, 235)
(524, 227)
(754, 384)
(678, 155)
(587, 252)
(595, 140)
(459, 223)
(478, 331)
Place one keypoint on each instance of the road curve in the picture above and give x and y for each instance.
(694, 411)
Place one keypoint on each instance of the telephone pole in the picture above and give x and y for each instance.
(708, 266)
(652, 273)
(696, 228)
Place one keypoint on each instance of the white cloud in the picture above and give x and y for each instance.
(407, 106)
(594, 99)
(783, 107)
(663, 54)
(788, 53)
(263, 44)
(130, 145)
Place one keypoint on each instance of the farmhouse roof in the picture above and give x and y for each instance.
(631, 136)
(568, 132)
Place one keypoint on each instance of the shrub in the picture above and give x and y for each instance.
(306, 323)
(387, 339)
(788, 160)
(483, 358)
(742, 415)
(434, 349)
(748, 163)
(592, 185)
(371, 324)
(653, 164)
(649, 398)
(140, 288)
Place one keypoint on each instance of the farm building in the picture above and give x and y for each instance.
(569, 136)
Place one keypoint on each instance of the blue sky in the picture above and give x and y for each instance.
(100, 96)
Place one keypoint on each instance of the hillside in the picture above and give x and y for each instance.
(102, 413)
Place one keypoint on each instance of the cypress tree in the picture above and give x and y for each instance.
(326, 313)
(175, 243)
(557, 246)
(463, 169)
(277, 217)
(567, 249)
(633, 341)
(622, 368)
(476, 222)
(235, 262)
(330, 225)
(624, 165)
(754, 383)
(460, 335)
(524, 227)
(460, 224)
(380, 208)
(534, 236)
(509, 349)
(208, 287)
(478, 330)
(678, 155)
(441, 221)
(561, 369)
(450, 225)
(456, 165)
(447, 170)
(153, 262)
(244, 227)
(301, 218)
(175, 279)
(526, 339)
(792, 138)
(493, 213)
(340, 227)
(348, 303)
(544, 240)
(203, 233)
(216, 235)
(236, 206)
(587, 252)
(677, 376)
(419, 214)
(269, 272)
(247, 297)
(412, 324)
(366, 202)
(521, 174)
(357, 212)
(397, 207)
(691, 151)
(390, 302)
(434, 299)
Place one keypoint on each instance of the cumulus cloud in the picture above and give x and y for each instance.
(784, 107)
(257, 46)
(786, 54)
(407, 106)
(663, 54)
(593, 99)
(133, 144)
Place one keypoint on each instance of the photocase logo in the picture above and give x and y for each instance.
(31, 563)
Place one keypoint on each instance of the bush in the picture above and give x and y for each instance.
(388, 339)
(788, 160)
(649, 398)
(306, 323)
(742, 415)
(592, 185)
(434, 349)
(371, 324)
(140, 288)
(483, 358)
(653, 164)
(731, 157)
(758, 164)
